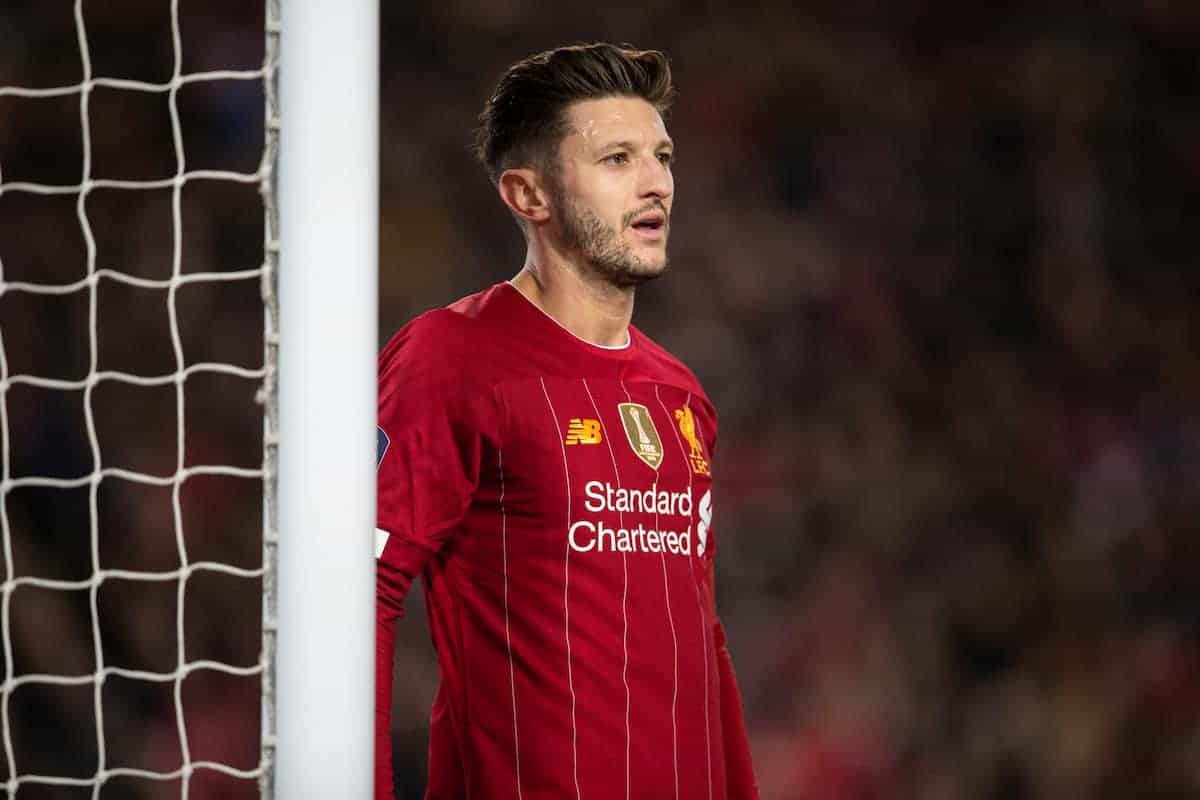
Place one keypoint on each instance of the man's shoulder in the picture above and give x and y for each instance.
(440, 364)
(660, 364)
(450, 339)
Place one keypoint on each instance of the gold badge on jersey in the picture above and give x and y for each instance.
(642, 435)
(687, 426)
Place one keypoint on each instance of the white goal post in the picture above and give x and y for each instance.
(328, 199)
(318, 177)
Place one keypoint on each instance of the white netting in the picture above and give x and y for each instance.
(28, 618)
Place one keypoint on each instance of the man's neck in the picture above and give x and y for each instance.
(593, 310)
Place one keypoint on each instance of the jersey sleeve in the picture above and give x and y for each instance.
(740, 781)
(433, 419)
(739, 768)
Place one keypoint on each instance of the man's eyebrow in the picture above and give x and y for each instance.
(628, 145)
(624, 144)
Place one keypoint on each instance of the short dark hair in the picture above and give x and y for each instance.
(524, 120)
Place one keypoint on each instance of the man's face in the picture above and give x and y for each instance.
(614, 188)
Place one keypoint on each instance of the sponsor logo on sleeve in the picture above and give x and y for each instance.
(381, 445)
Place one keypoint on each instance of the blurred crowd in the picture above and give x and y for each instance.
(936, 267)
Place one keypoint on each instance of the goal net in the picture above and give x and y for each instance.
(137, 405)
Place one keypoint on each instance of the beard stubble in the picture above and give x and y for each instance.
(601, 248)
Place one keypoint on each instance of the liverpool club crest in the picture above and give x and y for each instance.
(687, 427)
(641, 433)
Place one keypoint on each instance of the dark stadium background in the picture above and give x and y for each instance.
(935, 263)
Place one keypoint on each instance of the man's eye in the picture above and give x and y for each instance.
(617, 158)
(666, 158)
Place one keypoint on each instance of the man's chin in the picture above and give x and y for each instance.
(627, 275)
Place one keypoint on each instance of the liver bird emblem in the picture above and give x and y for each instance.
(687, 427)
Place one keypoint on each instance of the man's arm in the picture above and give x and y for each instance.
(393, 578)
(390, 589)
(740, 783)
(739, 769)
(431, 421)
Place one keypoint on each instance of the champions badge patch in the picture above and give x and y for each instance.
(641, 433)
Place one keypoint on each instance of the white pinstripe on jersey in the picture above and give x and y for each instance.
(674, 638)
(566, 587)
(705, 632)
(512, 678)
(624, 592)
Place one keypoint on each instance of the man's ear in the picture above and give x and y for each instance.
(522, 191)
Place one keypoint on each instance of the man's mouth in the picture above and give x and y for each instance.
(651, 225)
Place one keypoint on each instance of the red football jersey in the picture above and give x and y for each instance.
(557, 498)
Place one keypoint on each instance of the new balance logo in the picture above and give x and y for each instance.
(583, 431)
